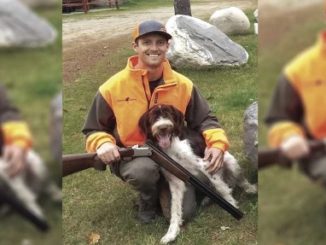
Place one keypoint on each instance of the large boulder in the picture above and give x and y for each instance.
(197, 44)
(230, 21)
(20, 27)
(250, 127)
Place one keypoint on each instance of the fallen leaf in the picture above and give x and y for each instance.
(93, 238)
(224, 228)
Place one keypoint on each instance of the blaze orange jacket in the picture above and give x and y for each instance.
(126, 96)
(12, 129)
(299, 103)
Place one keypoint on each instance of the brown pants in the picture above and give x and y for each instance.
(144, 176)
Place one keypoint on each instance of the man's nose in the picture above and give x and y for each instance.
(154, 46)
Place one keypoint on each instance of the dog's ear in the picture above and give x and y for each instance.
(143, 124)
(178, 120)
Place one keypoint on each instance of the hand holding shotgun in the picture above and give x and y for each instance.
(269, 157)
(77, 162)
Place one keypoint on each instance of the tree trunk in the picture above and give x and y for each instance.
(182, 7)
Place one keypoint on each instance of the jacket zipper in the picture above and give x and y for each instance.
(157, 89)
(144, 87)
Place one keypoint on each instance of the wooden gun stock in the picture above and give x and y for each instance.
(78, 162)
(269, 157)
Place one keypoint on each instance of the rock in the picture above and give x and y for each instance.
(56, 122)
(256, 21)
(251, 133)
(256, 15)
(20, 27)
(197, 44)
(230, 21)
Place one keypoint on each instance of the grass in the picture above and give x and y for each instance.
(98, 202)
(291, 208)
(33, 77)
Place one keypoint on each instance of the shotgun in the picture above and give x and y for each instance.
(78, 162)
(269, 157)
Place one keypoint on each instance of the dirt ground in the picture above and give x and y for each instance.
(87, 40)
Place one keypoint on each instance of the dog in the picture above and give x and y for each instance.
(165, 126)
(30, 184)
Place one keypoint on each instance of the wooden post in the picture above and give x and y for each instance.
(182, 7)
(85, 6)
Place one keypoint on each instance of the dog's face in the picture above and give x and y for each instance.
(161, 123)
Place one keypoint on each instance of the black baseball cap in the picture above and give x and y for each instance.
(150, 26)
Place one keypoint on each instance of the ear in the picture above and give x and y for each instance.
(143, 124)
(135, 46)
(178, 119)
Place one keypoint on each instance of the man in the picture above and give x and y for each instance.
(297, 112)
(146, 81)
(15, 136)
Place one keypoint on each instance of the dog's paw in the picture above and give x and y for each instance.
(233, 202)
(206, 202)
(168, 238)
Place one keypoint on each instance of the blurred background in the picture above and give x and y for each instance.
(292, 209)
(30, 69)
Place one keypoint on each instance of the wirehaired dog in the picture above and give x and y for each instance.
(164, 125)
(30, 183)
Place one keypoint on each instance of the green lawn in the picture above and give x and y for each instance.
(98, 202)
(33, 77)
(291, 208)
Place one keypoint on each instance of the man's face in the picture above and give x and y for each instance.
(151, 50)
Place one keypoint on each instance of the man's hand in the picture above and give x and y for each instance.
(108, 153)
(295, 147)
(15, 156)
(215, 158)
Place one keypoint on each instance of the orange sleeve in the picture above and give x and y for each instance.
(283, 130)
(216, 138)
(95, 140)
(17, 133)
